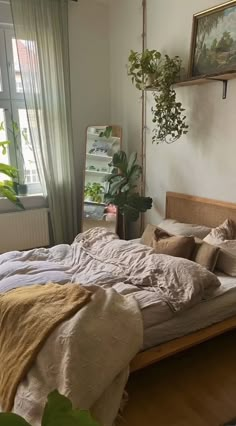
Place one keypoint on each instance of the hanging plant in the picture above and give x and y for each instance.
(168, 114)
(144, 68)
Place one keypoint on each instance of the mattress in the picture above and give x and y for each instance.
(220, 306)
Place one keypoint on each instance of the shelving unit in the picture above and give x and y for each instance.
(98, 157)
(221, 77)
(95, 136)
(99, 152)
(98, 173)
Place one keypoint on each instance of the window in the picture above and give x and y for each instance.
(13, 113)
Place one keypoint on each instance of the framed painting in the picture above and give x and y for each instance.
(213, 46)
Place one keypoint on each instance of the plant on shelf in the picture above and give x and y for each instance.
(144, 68)
(6, 186)
(58, 411)
(122, 190)
(107, 133)
(94, 192)
(151, 69)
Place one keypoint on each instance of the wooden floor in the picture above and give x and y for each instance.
(196, 388)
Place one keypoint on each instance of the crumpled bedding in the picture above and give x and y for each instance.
(99, 257)
(158, 286)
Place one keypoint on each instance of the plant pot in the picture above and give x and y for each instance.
(151, 81)
(22, 189)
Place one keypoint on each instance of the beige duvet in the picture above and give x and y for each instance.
(87, 357)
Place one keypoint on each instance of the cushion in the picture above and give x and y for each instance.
(186, 229)
(226, 231)
(227, 258)
(161, 234)
(148, 235)
(178, 246)
(205, 254)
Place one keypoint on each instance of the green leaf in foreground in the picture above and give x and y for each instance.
(59, 412)
(10, 419)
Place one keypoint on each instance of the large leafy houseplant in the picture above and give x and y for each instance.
(58, 412)
(122, 190)
(6, 185)
(167, 111)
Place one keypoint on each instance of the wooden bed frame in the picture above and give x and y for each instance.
(203, 211)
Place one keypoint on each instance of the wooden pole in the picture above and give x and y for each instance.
(144, 112)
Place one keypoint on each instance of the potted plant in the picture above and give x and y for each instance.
(6, 186)
(94, 192)
(144, 68)
(19, 185)
(168, 113)
(107, 133)
(58, 411)
(123, 192)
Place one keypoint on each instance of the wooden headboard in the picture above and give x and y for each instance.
(203, 211)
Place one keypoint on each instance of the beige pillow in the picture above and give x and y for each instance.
(177, 246)
(205, 254)
(227, 258)
(187, 229)
(148, 235)
(226, 231)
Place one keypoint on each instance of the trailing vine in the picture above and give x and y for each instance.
(163, 72)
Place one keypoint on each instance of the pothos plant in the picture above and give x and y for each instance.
(162, 72)
(58, 412)
(94, 191)
(122, 190)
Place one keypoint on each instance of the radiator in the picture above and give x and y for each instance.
(24, 230)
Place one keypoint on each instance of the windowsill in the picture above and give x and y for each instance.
(29, 202)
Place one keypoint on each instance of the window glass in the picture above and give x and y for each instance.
(30, 169)
(18, 80)
(4, 158)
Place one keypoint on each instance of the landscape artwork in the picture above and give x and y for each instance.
(213, 48)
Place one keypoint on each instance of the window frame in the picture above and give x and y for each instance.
(11, 101)
(5, 93)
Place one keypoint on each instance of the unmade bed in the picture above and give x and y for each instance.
(169, 303)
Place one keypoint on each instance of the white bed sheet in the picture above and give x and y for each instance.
(221, 306)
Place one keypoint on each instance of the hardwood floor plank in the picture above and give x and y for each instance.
(195, 388)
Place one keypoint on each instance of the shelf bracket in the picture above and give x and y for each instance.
(225, 85)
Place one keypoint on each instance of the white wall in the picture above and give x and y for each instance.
(203, 162)
(89, 61)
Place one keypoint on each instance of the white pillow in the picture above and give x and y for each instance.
(226, 261)
(186, 229)
(226, 231)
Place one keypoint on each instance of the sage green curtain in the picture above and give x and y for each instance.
(44, 64)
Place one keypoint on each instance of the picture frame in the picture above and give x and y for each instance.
(213, 43)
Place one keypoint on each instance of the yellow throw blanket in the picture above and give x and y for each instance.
(27, 316)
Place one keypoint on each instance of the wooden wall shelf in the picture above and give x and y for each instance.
(222, 77)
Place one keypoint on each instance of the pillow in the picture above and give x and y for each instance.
(148, 235)
(226, 231)
(178, 246)
(227, 258)
(186, 229)
(205, 254)
(161, 234)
